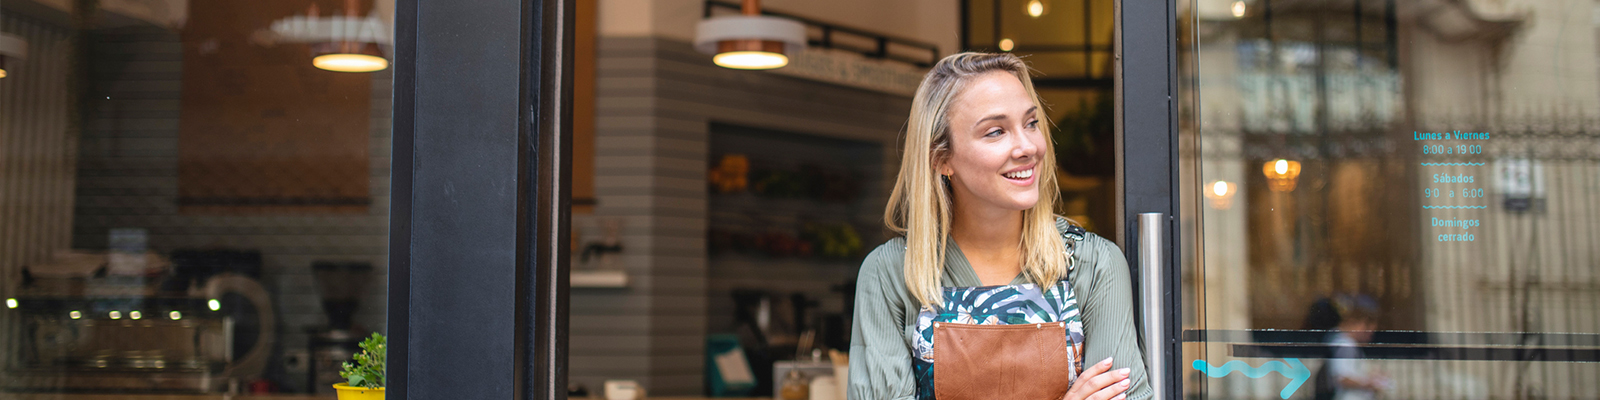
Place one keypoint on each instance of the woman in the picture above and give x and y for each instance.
(981, 246)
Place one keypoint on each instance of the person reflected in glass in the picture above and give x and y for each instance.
(980, 244)
(1348, 375)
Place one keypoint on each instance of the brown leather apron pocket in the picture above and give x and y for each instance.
(1024, 362)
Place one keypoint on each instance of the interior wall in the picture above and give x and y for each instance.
(657, 99)
(262, 132)
(38, 148)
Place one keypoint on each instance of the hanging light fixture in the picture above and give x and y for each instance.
(352, 48)
(1036, 8)
(1220, 193)
(750, 40)
(340, 43)
(12, 50)
(1281, 174)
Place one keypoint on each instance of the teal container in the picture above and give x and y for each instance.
(728, 372)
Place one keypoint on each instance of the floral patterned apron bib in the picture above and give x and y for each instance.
(998, 305)
(1002, 305)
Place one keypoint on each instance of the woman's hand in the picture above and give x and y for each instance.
(1099, 382)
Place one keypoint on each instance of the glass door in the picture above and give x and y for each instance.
(1387, 199)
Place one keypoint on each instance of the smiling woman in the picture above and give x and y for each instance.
(985, 274)
(996, 155)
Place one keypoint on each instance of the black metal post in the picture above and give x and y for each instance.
(1148, 143)
(479, 195)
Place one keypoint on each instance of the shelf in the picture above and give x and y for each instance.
(605, 279)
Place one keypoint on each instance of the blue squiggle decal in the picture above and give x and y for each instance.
(1297, 373)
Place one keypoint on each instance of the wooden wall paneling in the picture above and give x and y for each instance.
(263, 131)
(584, 45)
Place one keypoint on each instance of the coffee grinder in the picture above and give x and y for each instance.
(341, 285)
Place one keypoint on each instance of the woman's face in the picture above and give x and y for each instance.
(995, 144)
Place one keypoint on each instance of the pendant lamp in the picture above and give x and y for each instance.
(1036, 8)
(750, 40)
(12, 50)
(346, 43)
(1281, 174)
(1220, 193)
(348, 51)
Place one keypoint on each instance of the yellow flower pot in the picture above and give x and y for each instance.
(347, 392)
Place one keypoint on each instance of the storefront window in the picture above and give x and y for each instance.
(1394, 199)
(193, 194)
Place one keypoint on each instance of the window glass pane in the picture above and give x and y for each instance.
(1395, 200)
(193, 194)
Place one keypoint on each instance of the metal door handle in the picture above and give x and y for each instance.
(1152, 228)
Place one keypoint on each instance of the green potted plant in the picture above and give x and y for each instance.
(364, 380)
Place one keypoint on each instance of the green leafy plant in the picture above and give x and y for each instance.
(368, 371)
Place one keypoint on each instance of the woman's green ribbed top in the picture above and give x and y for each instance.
(886, 315)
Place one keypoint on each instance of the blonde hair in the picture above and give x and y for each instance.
(920, 206)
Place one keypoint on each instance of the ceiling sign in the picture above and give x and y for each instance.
(855, 70)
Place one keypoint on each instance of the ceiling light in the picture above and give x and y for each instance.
(751, 59)
(339, 43)
(1220, 193)
(750, 40)
(1238, 9)
(12, 50)
(366, 59)
(1007, 45)
(1036, 8)
(349, 52)
(1281, 174)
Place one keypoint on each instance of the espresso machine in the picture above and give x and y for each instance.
(194, 328)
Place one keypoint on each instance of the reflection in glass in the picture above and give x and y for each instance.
(1415, 214)
(170, 173)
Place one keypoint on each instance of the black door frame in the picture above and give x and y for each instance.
(1147, 174)
(480, 191)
